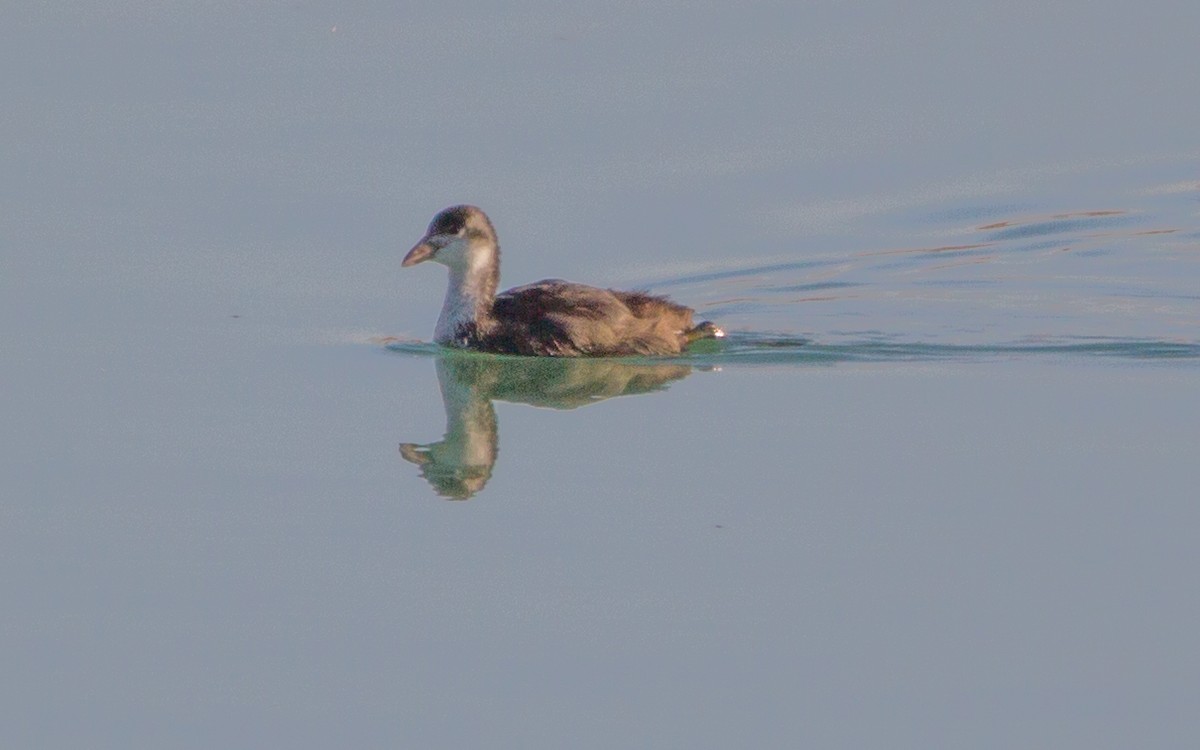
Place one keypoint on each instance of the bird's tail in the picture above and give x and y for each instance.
(705, 330)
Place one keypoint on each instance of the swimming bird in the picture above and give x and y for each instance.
(548, 318)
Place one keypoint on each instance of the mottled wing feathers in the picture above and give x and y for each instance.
(559, 318)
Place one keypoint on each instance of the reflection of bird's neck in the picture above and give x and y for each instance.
(470, 421)
(467, 309)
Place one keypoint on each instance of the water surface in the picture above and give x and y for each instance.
(937, 488)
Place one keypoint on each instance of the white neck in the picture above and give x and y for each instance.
(464, 298)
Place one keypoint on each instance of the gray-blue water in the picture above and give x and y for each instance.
(937, 488)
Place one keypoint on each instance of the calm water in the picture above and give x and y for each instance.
(937, 488)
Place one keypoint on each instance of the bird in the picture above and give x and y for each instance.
(548, 318)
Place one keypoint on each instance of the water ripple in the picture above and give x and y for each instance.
(1115, 280)
(741, 348)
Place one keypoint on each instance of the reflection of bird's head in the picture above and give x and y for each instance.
(448, 479)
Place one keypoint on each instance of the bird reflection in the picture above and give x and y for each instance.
(460, 464)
